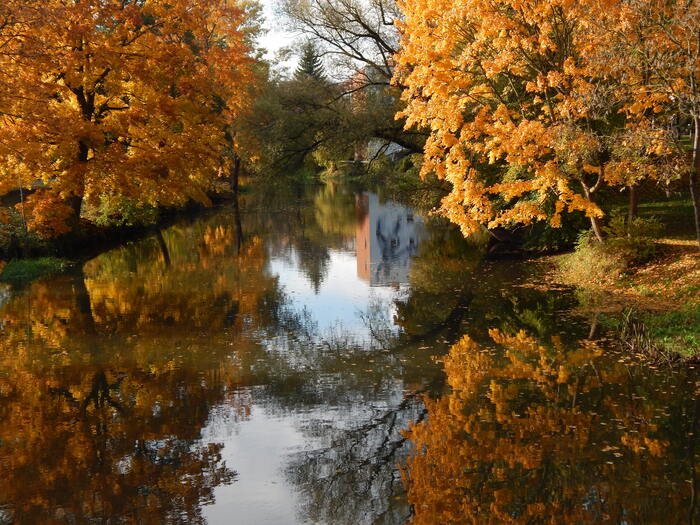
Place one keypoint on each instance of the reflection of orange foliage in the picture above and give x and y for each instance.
(534, 435)
(107, 377)
(48, 214)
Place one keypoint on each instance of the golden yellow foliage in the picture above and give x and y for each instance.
(525, 104)
(119, 97)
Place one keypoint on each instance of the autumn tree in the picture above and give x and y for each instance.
(656, 56)
(524, 120)
(122, 98)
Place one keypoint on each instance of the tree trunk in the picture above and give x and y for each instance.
(238, 225)
(235, 172)
(596, 225)
(83, 303)
(632, 211)
(695, 175)
(163, 248)
(76, 204)
(75, 201)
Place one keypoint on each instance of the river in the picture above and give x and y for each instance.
(328, 357)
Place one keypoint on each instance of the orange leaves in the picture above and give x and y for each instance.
(536, 88)
(47, 214)
(488, 68)
(122, 98)
(530, 414)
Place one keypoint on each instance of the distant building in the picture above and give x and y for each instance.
(369, 83)
(387, 237)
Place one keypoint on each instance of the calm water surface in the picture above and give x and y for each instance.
(327, 357)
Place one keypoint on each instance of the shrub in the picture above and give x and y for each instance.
(114, 210)
(23, 271)
(626, 245)
(15, 238)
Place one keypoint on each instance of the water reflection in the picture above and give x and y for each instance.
(204, 370)
(94, 427)
(238, 365)
(388, 236)
(536, 432)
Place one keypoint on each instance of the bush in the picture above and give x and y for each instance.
(626, 245)
(543, 237)
(121, 211)
(23, 271)
(635, 239)
(15, 239)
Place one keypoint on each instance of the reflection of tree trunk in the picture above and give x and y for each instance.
(100, 393)
(235, 176)
(101, 389)
(235, 173)
(594, 327)
(451, 323)
(691, 454)
(238, 225)
(82, 299)
(163, 248)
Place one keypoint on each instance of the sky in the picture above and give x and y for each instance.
(277, 37)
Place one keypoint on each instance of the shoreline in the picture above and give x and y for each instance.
(653, 309)
(63, 253)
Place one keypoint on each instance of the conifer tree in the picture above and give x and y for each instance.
(310, 64)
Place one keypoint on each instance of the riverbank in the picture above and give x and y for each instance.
(25, 257)
(653, 308)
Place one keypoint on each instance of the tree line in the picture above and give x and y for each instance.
(528, 111)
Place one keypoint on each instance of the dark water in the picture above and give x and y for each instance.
(277, 367)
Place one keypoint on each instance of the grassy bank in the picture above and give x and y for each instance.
(19, 272)
(652, 306)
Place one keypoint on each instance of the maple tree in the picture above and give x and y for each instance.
(120, 98)
(526, 117)
(655, 54)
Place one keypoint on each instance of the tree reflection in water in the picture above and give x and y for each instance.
(106, 381)
(540, 433)
(88, 431)
(354, 480)
(111, 376)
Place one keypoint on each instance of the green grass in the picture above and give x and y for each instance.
(676, 215)
(664, 335)
(677, 331)
(22, 271)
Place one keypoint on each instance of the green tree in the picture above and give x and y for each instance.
(310, 63)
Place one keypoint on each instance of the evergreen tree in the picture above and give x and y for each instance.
(310, 64)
